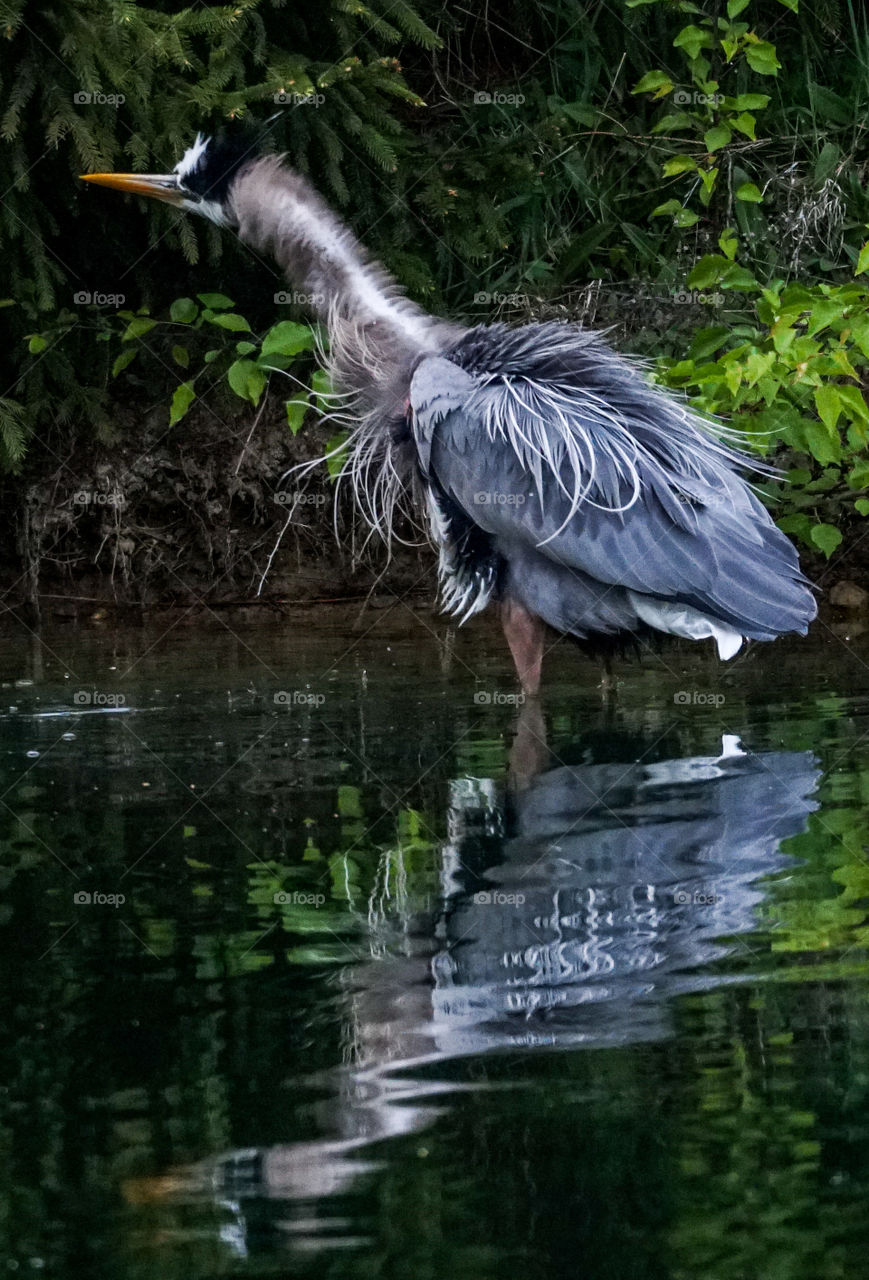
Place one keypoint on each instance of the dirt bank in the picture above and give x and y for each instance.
(205, 513)
(202, 512)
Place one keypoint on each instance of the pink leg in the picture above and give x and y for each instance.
(525, 633)
(529, 754)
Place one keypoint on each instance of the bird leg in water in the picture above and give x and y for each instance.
(525, 633)
(529, 754)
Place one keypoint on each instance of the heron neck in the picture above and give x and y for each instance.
(278, 212)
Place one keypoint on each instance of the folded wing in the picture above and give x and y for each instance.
(559, 447)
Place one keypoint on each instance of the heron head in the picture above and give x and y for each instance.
(200, 181)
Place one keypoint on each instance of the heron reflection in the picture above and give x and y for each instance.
(575, 904)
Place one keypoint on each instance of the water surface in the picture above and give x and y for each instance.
(323, 957)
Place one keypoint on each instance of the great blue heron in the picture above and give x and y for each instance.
(556, 481)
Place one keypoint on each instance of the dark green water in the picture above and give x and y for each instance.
(377, 1002)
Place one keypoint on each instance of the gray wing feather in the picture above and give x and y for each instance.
(549, 478)
(438, 387)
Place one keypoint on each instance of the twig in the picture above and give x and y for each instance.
(250, 433)
(277, 544)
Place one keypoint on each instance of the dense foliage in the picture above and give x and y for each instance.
(655, 147)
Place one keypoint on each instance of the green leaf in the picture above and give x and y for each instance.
(745, 124)
(858, 476)
(828, 405)
(36, 344)
(826, 311)
(750, 193)
(211, 355)
(717, 137)
(668, 207)
(708, 179)
(761, 57)
(581, 247)
(183, 311)
(757, 365)
(678, 164)
(826, 163)
(215, 301)
(793, 5)
(181, 356)
(297, 407)
(833, 108)
(735, 7)
(728, 243)
(335, 464)
(853, 402)
(686, 218)
(578, 111)
(125, 358)
(692, 39)
(181, 402)
(783, 336)
(863, 260)
(826, 538)
(247, 379)
(669, 124)
(322, 387)
(245, 348)
(862, 505)
(736, 277)
(657, 82)
(288, 338)
(751, 101)
(823, 447)
(228, 320)
(707, 341)
(707, 271)
(137, 328)
(799, 525)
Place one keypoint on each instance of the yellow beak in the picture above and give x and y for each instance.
(160, 186)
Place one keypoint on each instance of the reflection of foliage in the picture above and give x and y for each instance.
(748, 1157)
(814, 917)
